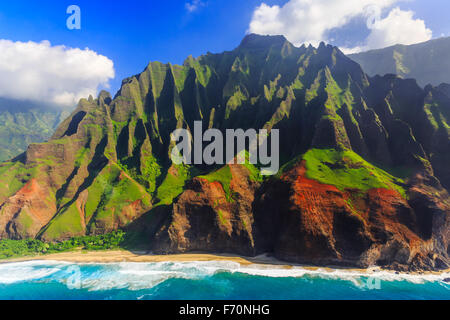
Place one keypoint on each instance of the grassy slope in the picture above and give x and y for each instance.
(110, 193)
(173, 184)
(347, 170)
(223, 176)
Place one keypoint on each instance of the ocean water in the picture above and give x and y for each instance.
(44, 280)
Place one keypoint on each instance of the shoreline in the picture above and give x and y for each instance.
(118, 256)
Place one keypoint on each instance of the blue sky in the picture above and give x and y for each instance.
(132, 33)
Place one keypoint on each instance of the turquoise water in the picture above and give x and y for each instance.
(207, 280)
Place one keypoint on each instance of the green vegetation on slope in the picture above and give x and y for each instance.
(14, 176)
(347, 170)
(24, 123)
(223, 176)
(255, 172)
(108, 197)
(173, 184)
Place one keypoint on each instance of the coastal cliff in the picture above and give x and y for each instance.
(365, 174)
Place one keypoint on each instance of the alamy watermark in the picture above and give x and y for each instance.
(238, 146)
(371, 283)
(74, 278)
(74, 20)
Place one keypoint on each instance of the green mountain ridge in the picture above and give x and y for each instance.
(23, 123)
(426, 62)
(365, 144)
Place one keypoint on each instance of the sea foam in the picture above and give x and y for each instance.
(138, 276)
(27, 271)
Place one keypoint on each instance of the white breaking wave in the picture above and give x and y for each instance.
(342, 274)
(27, 271)
(139, 276)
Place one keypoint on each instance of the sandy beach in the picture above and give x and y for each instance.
(126, 256)
(116, 256)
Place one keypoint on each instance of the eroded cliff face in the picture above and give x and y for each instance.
(71, 185)
(365, 180)
(24, 214)
(314, 222)
(205, 218)
(300, 220)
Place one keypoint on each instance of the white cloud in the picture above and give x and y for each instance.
(51, 74)
(194, 5)
(399, 27)
(310, 21)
